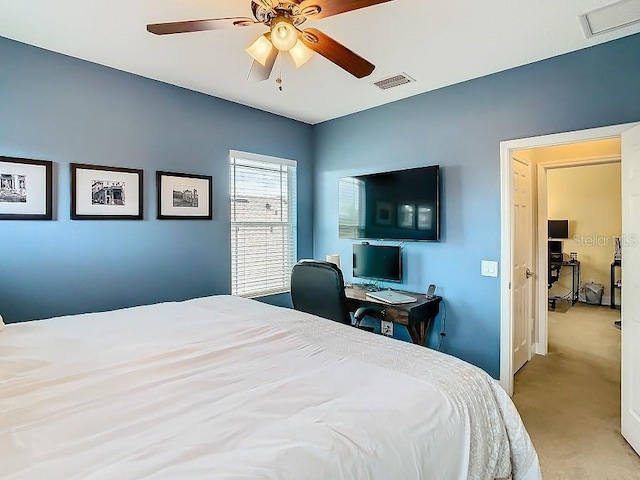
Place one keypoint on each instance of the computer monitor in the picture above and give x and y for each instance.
(558, 228)
(378, 262)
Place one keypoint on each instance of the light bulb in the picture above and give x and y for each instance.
(283, 34)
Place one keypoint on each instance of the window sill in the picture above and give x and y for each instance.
(270, 293)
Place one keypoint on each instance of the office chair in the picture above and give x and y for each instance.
(317, 287)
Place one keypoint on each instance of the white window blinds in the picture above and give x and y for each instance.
(263, 224)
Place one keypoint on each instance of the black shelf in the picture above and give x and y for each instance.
(614, 284)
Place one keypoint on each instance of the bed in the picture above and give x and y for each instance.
(223, 387)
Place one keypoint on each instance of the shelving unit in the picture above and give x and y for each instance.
(616, 284)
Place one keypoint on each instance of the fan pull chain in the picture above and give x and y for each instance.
(279, 79)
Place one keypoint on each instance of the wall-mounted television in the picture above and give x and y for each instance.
(395, 205)
(377, 262)
(558, 228)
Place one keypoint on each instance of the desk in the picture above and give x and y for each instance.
(417, 316)
(575, 276)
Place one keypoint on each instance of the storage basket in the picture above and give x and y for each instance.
(593, 293)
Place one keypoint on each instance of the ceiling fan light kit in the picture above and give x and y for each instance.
(283, 34)
(283, 18)
(300, 54)
(261, 49)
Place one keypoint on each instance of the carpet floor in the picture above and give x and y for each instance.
(569, 400)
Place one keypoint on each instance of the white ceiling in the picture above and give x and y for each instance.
(437, 42)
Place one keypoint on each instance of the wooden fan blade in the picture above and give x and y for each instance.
(336, 52)
(199, 25)
(334, 7)
(260, 72)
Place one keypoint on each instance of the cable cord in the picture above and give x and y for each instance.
(443, 332)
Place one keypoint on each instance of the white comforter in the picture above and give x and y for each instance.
(229, 388)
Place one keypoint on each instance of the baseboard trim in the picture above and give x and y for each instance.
(537, 349)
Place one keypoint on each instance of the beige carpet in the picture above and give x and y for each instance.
(570, 399)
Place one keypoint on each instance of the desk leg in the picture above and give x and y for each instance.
(575, 284)
(419, 332)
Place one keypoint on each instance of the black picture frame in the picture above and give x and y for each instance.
(184, 196)
(99, 192)
(15, 200)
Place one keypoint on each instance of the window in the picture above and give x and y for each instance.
(263, 224)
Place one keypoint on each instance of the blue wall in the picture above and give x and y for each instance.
(62, 109)
(54, 107)
(460, 128)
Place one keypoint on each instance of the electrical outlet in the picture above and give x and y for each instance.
(386, 328)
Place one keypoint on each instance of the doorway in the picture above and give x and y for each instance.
(539, 338)
(630, 361)
(569, 177)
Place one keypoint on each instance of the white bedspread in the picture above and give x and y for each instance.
(229, 388)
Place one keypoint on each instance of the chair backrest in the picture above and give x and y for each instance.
(317, 287)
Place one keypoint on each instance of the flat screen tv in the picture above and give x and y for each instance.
(558, 228)
(396, 205)
(377, 262)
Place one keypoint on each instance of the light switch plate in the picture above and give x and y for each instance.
(489, 268)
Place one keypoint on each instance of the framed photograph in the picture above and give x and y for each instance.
(183, 196)
(384, 213)
(425, 218)
(105, 193)
(25, 189)
(406, 216)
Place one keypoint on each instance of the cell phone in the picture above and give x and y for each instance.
(431, 291)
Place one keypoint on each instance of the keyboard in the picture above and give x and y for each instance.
(389, 296)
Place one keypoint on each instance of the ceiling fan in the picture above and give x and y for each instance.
(283, 17)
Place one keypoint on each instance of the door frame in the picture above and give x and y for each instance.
(507, 150)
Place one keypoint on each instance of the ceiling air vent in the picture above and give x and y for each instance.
(395, 81)
(610, 17)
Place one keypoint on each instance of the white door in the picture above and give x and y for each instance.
(631, 287)
(522, 305)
